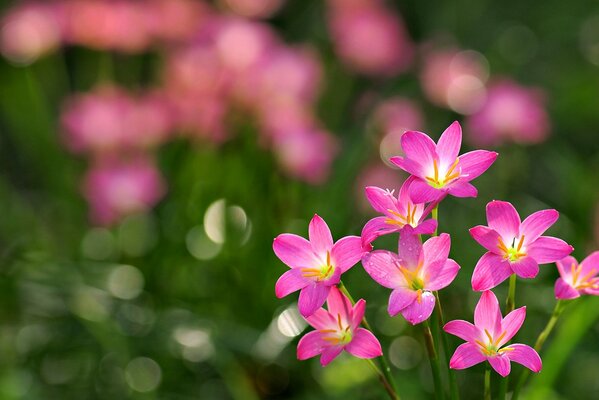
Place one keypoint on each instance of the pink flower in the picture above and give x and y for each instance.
(398, 212)
(338, 330)
(577, 279)
(316, 265)
(487, 336)
(437, 167)
(413, 274)
(514, 246)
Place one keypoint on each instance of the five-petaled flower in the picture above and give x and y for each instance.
(485, 339)
(398, 212)
(577, 279)
(514, 246)
(413, 274)
(437, 168)
(316, 265)
(338, 329)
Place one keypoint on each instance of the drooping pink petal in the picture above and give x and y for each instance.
(421, 310)
(400, 298)
(503, 218)
(337, 303)
(322, 319)
(526, 267)
(474, 163)
(375, 228)
(320, 235)
(347, 252)
(403, 197)
(449, 144)
(329, 354)
(295, 251)
(410, 166)
(357, 314)
(422, 192)
(436, 249)
(441, 274)
(537, 223)
(525, 355)
(410, 248)
(490, 271)
(463, 189)
(590, 265)
(426, 227)
(465, 356)
(381, 265)
(311, 298)
(419, 147)
(547, 249)
(381, 200)
(564, 266)
(501, 364)
(564, 291)
(486, 237)
(364, 344)
(464, 330)
(290, 282)
(310, 345)
(511, 324)
(487, 314)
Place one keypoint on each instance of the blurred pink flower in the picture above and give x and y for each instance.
(455, 79)
(376, 174)
(115, 188)
(253, 8)
(511, 113)
(577, 279)
(370, 38)
(175, 20)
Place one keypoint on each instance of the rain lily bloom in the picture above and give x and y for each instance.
(514, 246)
(398, 212)
(338, 329)
(316, 265)
(414, 274)
(485, 339)
(576, 279)
(437, 167)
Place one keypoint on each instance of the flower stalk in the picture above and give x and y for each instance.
(434, 359)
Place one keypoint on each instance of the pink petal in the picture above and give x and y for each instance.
(322, 319)
(436, 249)
(337, 303)
(381, 200)
(410, 248)
(329, 354)
(501, 364)
(525, 355)
(490, 271)
(474, 163)
(462, 189)
(442, 274)
(381, 265)
(590, 265)
(311, 298)
(421, 310)
(320, 235)
(410, 166)
(487, 314)
(364, 345)
(464, 330)
(547, 249)
(347, 252)
(400, 299)
(511, 324)
(310, 345)
(426, 227)
(486, 237)
(564, 266)
(290, 282)
(357, 314)
(403, 197)
(422, 192)
(465, 356)
(537, 223)
(527, 267)
(419, 147)
(376, 227)
(504, 219)
(449, 144)
(564, 291)
(295, 251)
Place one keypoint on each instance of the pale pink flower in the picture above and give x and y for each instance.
(175, 20)
(577, 279)
(253, 8)
(486, 340)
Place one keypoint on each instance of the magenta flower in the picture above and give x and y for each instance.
(338, 330)
(316, 265)
(486, 338)
(398, 212)
(577, 279)
(514, 246)
(437, 167)
(414, 274)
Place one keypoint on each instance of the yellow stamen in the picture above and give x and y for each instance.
(489, 336)
(419, 296)
(502, 246)
(505, 349)
(496, 343)
(436, 170)
(455, 164)
(327, 331)
(339, 321)
(520, 243)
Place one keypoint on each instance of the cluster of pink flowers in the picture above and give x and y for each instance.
(419, 269)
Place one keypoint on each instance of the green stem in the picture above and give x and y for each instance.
(434, 359)
(487, 393)
(557, 311)
(510, 305)
(453, 384)
(435, 216)
(386, 378)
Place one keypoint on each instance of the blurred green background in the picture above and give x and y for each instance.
(176, 300)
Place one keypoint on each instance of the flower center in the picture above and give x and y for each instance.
(587, 281)
(408, 219)
(341, 336)
(514, 252)
(438, 181)
(413, 279)
(321, 273)
(490, 348)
